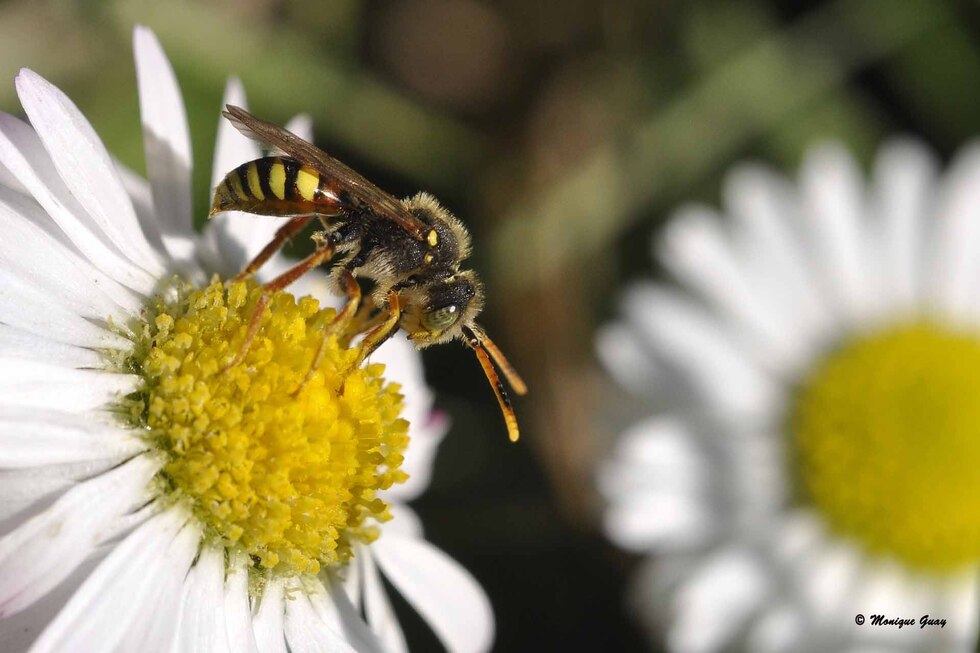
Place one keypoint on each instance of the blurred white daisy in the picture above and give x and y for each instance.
(815, 455)
(147, 503)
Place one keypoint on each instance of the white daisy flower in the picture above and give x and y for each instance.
(147, 503)
(816, 454)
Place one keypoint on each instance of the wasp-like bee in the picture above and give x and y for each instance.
(411, 249)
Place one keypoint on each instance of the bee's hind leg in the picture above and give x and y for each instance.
(340, 323)
(283, 234)
(322, 254)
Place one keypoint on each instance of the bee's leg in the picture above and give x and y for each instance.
(366, 319)
(283, 234)
(377, 336)
(339, 325)
(322, 254)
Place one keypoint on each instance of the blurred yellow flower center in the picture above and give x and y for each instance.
(887, 435)
(290, 479)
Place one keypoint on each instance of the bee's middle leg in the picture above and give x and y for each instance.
(322, 254)
(283, 234)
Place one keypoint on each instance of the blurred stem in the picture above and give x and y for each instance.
(748, 95)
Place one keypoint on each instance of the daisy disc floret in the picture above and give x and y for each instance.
(886, 435)
(289, 477)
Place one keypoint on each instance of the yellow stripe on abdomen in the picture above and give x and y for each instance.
(277, 179)
(307, 181)
(254, 185)
(236, 185)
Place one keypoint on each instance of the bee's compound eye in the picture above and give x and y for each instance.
(441, 318)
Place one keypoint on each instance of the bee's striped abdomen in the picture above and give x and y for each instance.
(277, 186)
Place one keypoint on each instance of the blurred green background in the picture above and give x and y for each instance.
(562, 132)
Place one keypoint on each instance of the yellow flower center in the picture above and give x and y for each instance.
(290, 478)
(887, 438)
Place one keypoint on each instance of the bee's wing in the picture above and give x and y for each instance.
(379, 202)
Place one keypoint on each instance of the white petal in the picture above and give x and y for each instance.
(154, 630)
(885, 588)
(267, 621)
(130, 521)
(350, 578)
(28, 384)
(201, 626)
(629, 362)
(377, 608)
(237, 236)
(962, 604)
(23, 488)
(658, 521)
(18, 632)
(238, 618)
(403, 365)
(779, 629)
(729, 587)
(834, 208)
(444, 594)
(690, 340)
(10, 181)
(27, 307)
(302, 125)
(419, 457)
(657, 484)
(905, 179)
(404, 521)
(30, 253)
(956, 254)
(17, 343)
(658, 452)
(140, 194)
(28, 440)
(59, 539)
(756, 458)
(316, 592)
(117, 593)
(336, 610)
(765, 210)
(305, 631)
(798, 533)
(696, 249)
(826, 576)
(85, 167)
(166, 138)
(22, 152)
(232, 148)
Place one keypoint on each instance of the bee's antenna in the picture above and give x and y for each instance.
(513, 378)
(510, 418)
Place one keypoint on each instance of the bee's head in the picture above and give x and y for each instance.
(436, 311)
(443, 309)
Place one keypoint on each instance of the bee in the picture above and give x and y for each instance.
(411, 249)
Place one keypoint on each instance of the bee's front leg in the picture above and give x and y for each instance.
(379, 334)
